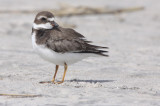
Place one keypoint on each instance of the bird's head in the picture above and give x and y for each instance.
(44, 20)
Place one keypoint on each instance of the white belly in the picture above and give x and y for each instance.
(54, 57)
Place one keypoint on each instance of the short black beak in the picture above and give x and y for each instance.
(54, 24)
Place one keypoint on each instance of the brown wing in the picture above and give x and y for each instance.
(68, 40)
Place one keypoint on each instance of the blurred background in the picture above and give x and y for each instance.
(130, 28)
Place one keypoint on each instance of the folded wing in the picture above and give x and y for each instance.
(74, 42)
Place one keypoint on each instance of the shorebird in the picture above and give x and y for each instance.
(61, 46)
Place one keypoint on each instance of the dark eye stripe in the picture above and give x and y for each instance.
(43, 19)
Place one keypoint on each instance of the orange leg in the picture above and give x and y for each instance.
(53, 80)
(65, 70)
(57, 66)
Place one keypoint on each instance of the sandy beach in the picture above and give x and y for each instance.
(130, 76)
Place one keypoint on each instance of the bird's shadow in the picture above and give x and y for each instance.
(90, 81)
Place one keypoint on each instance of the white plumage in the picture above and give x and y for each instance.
(57, 58)
(40, 26)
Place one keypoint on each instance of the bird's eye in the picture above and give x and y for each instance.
(43, 19)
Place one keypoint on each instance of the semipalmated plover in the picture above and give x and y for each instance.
(61, 46)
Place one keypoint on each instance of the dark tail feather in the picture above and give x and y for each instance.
(98, 52)
(95, 50)
(101, 52)
(97, 47)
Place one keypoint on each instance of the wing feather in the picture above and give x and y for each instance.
(68, 40)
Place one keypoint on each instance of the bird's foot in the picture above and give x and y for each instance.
(58, 82)
(43, 82)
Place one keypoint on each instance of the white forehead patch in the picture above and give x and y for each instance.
(51, 19)
(41, 17)
(42, 26)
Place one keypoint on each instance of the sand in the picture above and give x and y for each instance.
(129, 77)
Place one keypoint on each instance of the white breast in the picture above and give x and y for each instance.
(54, 57)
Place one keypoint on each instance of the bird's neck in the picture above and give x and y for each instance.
(38, 32)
